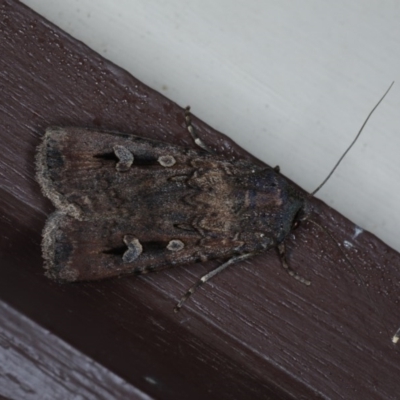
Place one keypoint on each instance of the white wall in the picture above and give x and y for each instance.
(290, 81)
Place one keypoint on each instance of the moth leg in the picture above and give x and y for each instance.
(277, 169)
(282, 256)
(195, 136)
(208, 276)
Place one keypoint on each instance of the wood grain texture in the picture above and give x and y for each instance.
(253, 332)
(35, 364)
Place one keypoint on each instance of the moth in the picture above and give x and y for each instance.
(130, 205)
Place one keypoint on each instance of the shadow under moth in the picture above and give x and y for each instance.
(130, 205)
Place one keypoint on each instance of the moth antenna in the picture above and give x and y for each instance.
(352, 143)
(396, 337)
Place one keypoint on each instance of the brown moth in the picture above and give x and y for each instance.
(126, 204)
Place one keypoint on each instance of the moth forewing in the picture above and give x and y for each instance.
(126, 204)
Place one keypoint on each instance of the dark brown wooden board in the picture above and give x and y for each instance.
(253, 332)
